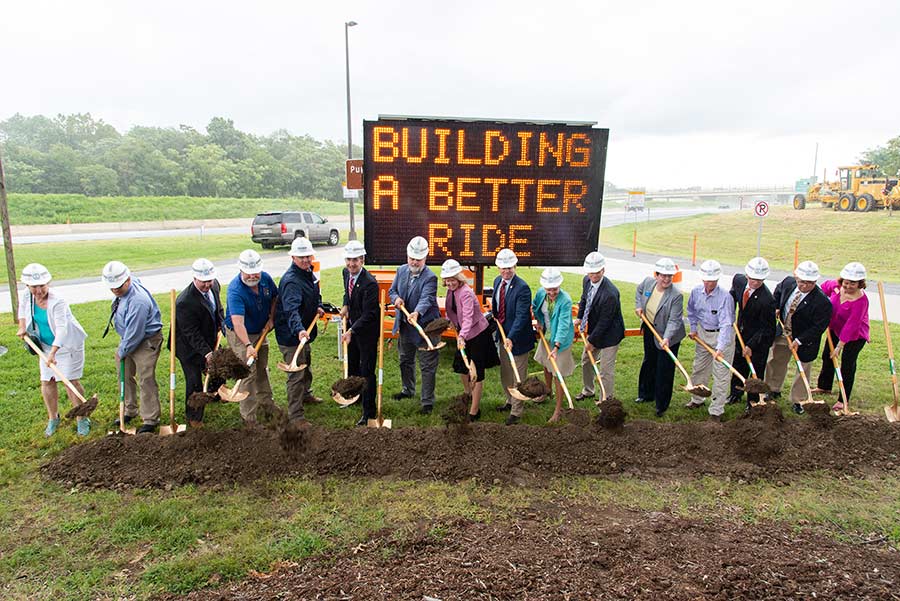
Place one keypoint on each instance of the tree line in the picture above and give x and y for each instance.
(80, 154)
(887, 157)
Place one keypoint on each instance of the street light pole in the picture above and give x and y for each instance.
(347, 26)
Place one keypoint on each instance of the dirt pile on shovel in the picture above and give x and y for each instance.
(198, 400)
(349, 387)
(612, 414)
(820, 414)
(755, 386)
(533, 388)
(560, 550)
(225, 365)
(437, 326)
(83, 409)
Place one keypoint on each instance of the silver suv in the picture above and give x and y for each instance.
(281, 227)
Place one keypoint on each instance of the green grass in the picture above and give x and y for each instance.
(27, 209)
(57, 543)
(830, 239)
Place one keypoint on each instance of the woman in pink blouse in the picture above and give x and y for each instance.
(849, 327)
(472, 332)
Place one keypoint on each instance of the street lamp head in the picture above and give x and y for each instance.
(350, 23)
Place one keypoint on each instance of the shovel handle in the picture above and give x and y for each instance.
(803, 377)
(344, 346)
(172, 358)
(556, 369)
(666, 348)
(381, 302)
(509, 354)
(55, 369)
(890, 347)
(837, 371)
(418, 327)
(593, 364)
(743, 346)
(712, 352)
(258, 345)
(303, 342)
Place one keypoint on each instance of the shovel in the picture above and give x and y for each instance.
(122, 428)
(338, 397)
(892, 412)
(559, 377)
(430, 347)
(173, 427)
(699, 390)
(809, 397)
(753, 376)
(590, 355)
(840, 378)
(512, 390)
(293, 366)
(236, 395)
(751, 384)
(473, 373)
(90, 404)
(380, 422)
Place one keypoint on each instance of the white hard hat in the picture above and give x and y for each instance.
(551, 278)
(451, 268)
(354, 249)
(807, 271)
(757, 268)
(204, 270)
(250, 262)
(35, 274)
(666, 266)
(594, 262)
(710, 271)
(506, 258)
(114, 274)
(301, 247)
(417, 248)
(853, 271)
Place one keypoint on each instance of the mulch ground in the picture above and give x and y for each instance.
(562, 551)
(761, 446)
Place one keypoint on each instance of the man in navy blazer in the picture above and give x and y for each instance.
(805, 312)
(511, 307)
(755, 322)
(600, 318)
(415, 288)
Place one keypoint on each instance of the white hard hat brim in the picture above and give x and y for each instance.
(205, 277)
(251, 270)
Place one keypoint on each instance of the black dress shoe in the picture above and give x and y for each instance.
(426, 409)
(581, 396)
(146, 429)
(660, 413)
(475, 417)
(734, 398)
(128, 419)
(399, 396)
(512, 420)
(642, 400)
(798, 409)
(505, 407)
(775, 395)
(362, 421)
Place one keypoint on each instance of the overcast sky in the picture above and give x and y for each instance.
(694, 93)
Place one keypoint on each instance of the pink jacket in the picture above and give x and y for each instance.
(464, 312)
(850, 320)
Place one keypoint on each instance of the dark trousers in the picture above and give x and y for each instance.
(193, 382)
(362, 353)
(848, 365)
(758, 359)
(299, 383)
(657, 373)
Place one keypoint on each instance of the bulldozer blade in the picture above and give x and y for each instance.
(892, 413)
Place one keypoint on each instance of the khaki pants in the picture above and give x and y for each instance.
(257, 383)
(298, 382)
(705, 363)
(776, 370)
(606, 362)
(140, 366)
(508, 378)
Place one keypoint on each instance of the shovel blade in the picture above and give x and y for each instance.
(892, 412)
(291, 368)
(229, 395)
(514, 393)
(436, 347)
(699, 390)
(344, 402)
(379, 423)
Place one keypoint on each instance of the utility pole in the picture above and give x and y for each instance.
(815, 160)
(347, 26)
(7, 246)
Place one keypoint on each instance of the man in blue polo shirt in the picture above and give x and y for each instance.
(251, 313)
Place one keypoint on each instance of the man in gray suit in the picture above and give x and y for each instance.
(663, 306)
(415, 288)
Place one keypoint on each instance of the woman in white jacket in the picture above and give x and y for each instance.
(47, 316)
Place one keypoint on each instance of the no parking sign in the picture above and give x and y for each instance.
(761, 209)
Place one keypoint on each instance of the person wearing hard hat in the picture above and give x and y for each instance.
(47, 319)
(362, 313)
(473, 334)
(511, 307)
(252, 298)
(804, 313)
(552, 309)
(756, 323)
(662, 304)
(710, 311)
(299, 305)
(200, 319)
(136, 318)
(600, 319)
(415, 288)
(849, 328)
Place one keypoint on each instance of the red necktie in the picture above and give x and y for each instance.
(501, 311)
(350, 286)
(744, 299)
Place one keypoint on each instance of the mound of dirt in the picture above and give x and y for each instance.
(533, 388)
(612, 414)
(83, 409)
(437, 326)
(198, 400)
(349, 387)
(746, 449)
(562, 551)
(225, 365)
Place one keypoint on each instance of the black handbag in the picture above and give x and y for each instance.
(33, 336)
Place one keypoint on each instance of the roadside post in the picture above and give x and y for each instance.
(761, 209)
(7, 247)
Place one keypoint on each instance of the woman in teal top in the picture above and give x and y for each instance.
(552, 309)
(43, 325)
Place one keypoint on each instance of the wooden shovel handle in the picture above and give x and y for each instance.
(55, 369)
(418, 327)
(671, 354)
(381, 302)
(345, 349)
(836, 362)
(172, 298)
(509, 354)
(890, 346)
(797, 359)
(593, 364)
(556, 369)
(712, 352)
(303, 342)
(744, 346)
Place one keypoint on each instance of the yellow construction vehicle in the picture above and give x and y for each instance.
(858, 188)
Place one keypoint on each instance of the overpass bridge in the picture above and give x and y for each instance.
(772, 194)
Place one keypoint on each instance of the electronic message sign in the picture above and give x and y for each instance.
(473, 187)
